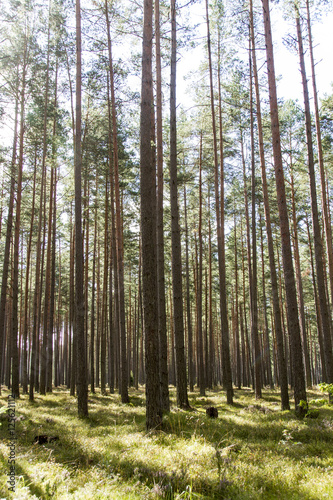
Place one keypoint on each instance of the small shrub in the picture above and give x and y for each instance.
(324, 387)
(313, 413)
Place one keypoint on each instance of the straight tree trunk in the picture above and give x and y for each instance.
(212, 360)
(188, 304)
(119, 232)
(267, 351)
(274, 282)
(299, 283)
(92, 318)
(26, 299)
(148, 229)
(162, 328)
(318, 315)
(178, 321)
(323, 182)
(82, 387)
(289, 278)
(226, 365)
(15, 286)
(318, 244)
(104, 299)
(52, 233)
(9, 229)
(238, 378)
(202, 381)
(47, 302)
(253, 291)
(249, 263)
(113, 297)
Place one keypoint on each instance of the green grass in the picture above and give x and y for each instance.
(252, 451)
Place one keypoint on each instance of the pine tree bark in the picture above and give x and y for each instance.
(253, 291)
(267, 350)
(274, 282)
(238, 378)
(26, 297)
(104, 298)
(299, 284)
(119, 232)
(202, 381)
(188, 304)
(318, 245)
(226, 365)
(323, 182)
(9, 229)
(148, 229)
(162, 328)
(289, 278)
(92, 318)
(318, 315)
(15, 283)
(177, 289)
(82, 388)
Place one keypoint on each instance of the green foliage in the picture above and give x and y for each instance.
(324, 387)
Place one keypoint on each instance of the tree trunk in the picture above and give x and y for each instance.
(202, 381)
(9, 229)
(299, 283)
(274, 282)
(92, 318)
(148, 229)
(162, 329)
(266, 350)
(82, 388)
(324, 198)
(253, 291)
(104, 298)
(119, 232)
(318, 245)
(238, 378)
(318, 315)
(182, 398)
(26, 299)
(15, 285)
(188, 304)
(289, 278)
(226, 365)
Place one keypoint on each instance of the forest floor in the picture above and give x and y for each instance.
(252, 450)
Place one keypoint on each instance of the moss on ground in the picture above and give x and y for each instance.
(252, 450)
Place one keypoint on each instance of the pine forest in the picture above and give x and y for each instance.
(166, 252)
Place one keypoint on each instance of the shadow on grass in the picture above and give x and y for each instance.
(258, 431)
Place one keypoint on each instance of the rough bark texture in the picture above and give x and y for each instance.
(299, 284)
(289, 278)
(148, 229)
(9, 229)
(188, 305)
(82, 388)
(119, 231)
(274, 282)
(162, 328)
(323, 183)
(318, 244)
(15, 283)
(254, 297)
(226, 365)
(178, 321)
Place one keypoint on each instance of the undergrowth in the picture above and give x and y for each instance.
(253, 450)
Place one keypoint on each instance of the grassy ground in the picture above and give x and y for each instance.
(251, 451)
